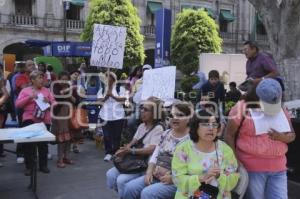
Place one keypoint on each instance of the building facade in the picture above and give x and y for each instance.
(237, 21)
(22, 20)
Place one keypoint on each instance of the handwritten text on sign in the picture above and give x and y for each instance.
(159, 83)
(108, 46)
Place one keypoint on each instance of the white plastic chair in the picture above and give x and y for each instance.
(242, 185)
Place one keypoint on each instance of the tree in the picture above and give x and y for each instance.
(281, 20)
(194, 32)
(118, 13)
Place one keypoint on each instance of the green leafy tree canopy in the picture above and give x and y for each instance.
(118, 13)
(194, 32)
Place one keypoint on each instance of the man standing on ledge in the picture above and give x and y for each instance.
(259, 65)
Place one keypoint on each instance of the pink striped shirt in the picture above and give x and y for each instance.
(28, 105)
(258, 153)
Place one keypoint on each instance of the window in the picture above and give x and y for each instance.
(74, 12)
(223, 26)
(260, 28)
(225, 18)
(152, 7)
(23, 7)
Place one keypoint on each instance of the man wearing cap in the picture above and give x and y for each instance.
(262, 152)
(259, 65)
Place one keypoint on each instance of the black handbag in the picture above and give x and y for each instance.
(130, 163)
(207, 191)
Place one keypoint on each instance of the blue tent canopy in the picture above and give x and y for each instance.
(37, 43)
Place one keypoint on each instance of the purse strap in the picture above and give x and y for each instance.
(235, 138)
(142, 138)
(217, 154)
(238, 131)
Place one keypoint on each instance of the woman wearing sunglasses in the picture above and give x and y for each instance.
(204, 167)
(157, 182)
(149, 132)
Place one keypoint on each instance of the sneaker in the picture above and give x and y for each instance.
(107, 157)
(49, 156)
(75, 149)
(20, 160)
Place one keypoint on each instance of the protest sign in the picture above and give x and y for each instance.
(159, 83)
(108, 46)
(264, 123)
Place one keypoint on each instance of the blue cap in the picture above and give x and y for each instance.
(269, 92)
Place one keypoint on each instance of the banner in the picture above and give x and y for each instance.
(163, 37)
(108, 46)
(62, 49)
(69, 49)
(81, 49)
(159, 83)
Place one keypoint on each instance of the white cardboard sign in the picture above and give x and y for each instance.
(263, 123)
(159, 83)
(108, 46)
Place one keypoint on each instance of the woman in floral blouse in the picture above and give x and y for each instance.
(204, 160)
(157, 182)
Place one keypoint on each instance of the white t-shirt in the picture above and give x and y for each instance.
(111, 109)
(152, 138)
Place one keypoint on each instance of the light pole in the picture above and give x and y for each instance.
(66, 6)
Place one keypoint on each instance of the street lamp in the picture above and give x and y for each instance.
(66, 6)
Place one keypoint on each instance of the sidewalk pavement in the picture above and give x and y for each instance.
(84, 180)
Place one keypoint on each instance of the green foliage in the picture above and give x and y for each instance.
(194, 32)
(118, 13)
(228, 106)
(187, 83)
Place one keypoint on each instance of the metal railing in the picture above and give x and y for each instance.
(15, 21)
(23, 20)
(75, 24)
(262, 38)
(148, 31)
(228, 35)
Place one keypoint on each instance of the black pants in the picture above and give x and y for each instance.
(3, 126)
(112, 136)
(20, 149)
(1, 149)
(29, 150)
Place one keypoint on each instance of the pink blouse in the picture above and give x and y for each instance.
(258, 153)
(28, 105)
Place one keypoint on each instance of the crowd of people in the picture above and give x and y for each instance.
(174, 150)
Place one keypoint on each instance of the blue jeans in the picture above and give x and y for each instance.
(267, 185)
(137, 189)
(115, 180)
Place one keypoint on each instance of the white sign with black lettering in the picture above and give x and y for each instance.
(159, 83)
(108, 46)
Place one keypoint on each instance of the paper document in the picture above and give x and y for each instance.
(263, 123)
(26, 134)
(40, 102)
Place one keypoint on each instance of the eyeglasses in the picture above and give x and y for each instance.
(177, 115)
(210, 125)
(145, 109)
